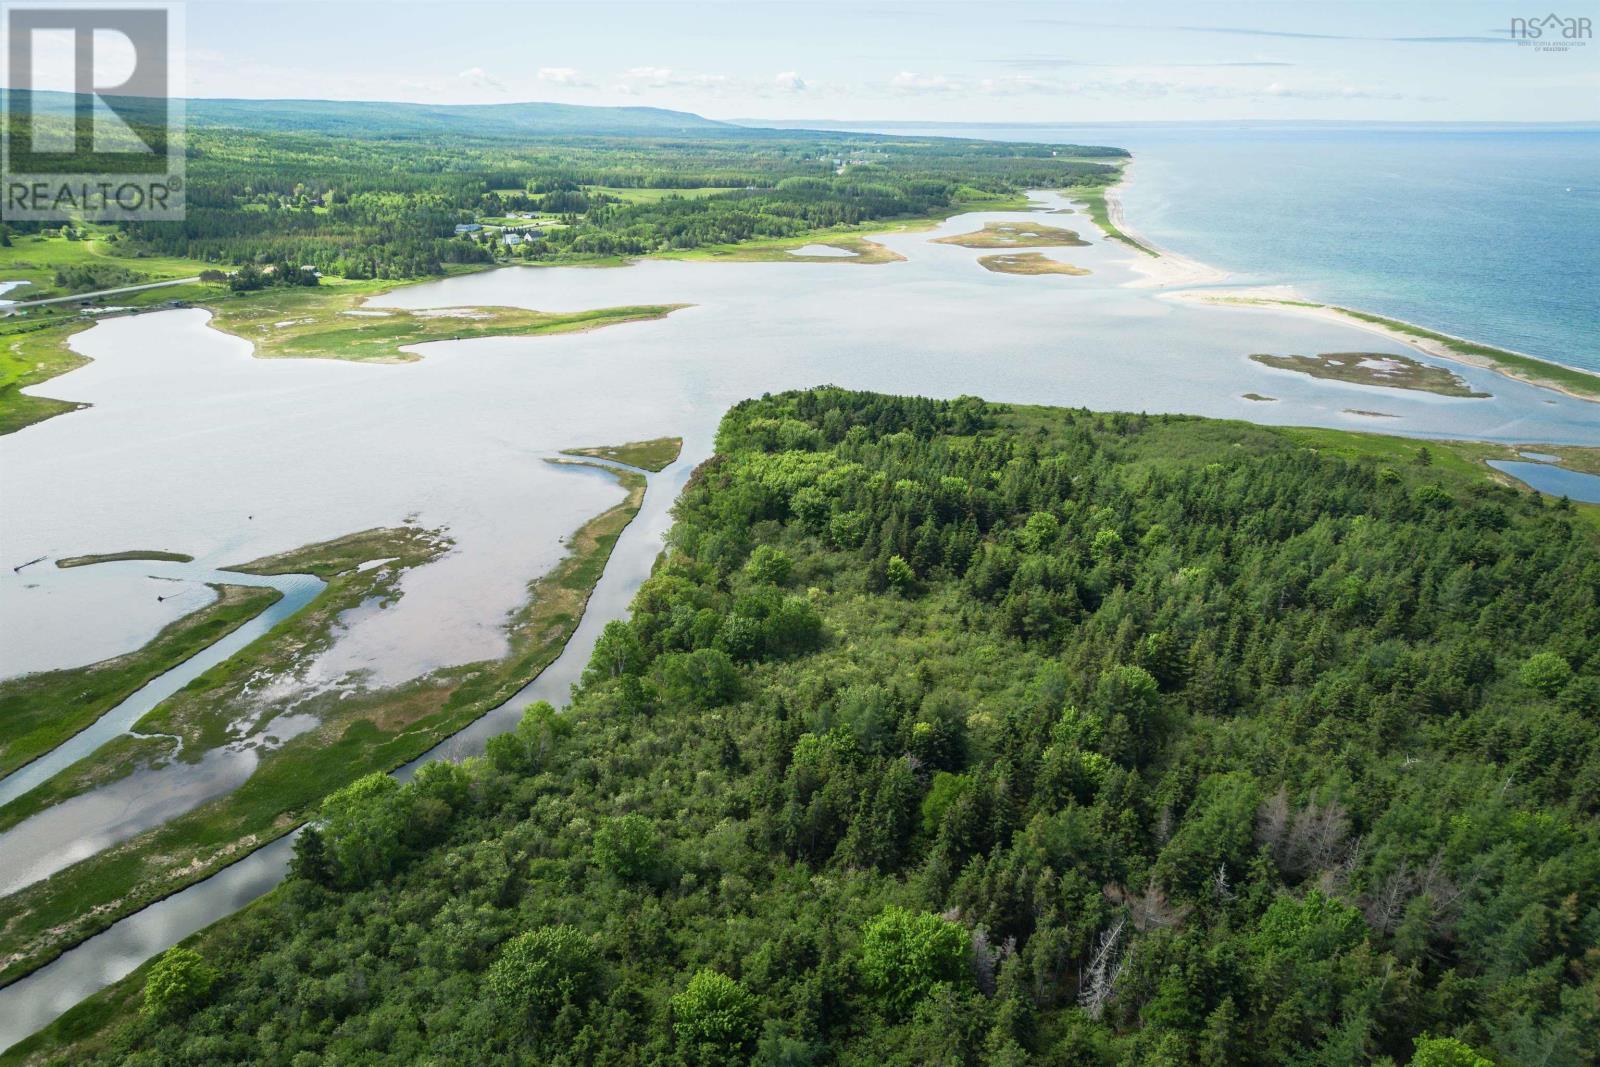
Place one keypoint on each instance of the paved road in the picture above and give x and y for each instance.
(19, 304)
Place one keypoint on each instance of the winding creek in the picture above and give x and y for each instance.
(194, 445)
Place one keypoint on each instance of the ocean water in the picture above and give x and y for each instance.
(1487, 232)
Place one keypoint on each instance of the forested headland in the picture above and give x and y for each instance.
(950, 733)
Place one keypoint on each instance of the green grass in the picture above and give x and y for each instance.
(1094, 201)
(370, 731)
(36, 259)
(654, 455)
(39, 711)
(114, 557)
(28, 357)
(651, 196)
(781, 250)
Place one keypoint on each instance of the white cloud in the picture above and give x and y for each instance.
(479, 78)
(634, 79)
(789, 81)
(908, 81)
(562, 76)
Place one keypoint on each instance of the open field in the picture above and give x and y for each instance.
(1028, 263)
(39, 711)
(1384, 369)
(35, 258)
(364, 732)
(653, 455)
(1014, 235)
(651, 196)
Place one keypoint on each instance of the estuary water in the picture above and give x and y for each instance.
(193, 445)
(1483, 231)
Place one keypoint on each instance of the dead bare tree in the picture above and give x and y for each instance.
(1098, 982)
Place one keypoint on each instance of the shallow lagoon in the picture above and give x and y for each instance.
(193, 445)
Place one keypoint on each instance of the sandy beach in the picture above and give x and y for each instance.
(1287, 298)
(1181, 276)
(1166, 270)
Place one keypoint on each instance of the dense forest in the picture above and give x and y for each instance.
(383, 201)
(946, 733)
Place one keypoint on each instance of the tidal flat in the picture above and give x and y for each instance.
(1009, 234)
(1386, 370)
(1028, 263)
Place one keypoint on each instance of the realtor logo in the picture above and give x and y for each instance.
(92, 125)
(1552, 33)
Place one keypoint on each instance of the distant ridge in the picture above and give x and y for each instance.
(380, 118)
(374, 118)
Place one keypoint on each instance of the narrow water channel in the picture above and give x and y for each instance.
(1547, 478)
(32, 1003)
(298, 590)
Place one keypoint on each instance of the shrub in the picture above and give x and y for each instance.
(904, 954)
(1546, 673)
(714, 1018)
(178, 983)
(540, 971)
(627, 847)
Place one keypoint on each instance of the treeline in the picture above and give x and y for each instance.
(365, 208)
(949, 734)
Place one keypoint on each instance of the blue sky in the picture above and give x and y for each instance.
(981, 62)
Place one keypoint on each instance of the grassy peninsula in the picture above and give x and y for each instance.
(955, 733)
(656, 454)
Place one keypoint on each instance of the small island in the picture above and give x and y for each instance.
(1374, 368)
(1027, 263)
(1260, 398)
(1015, 235)
(149, 555)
